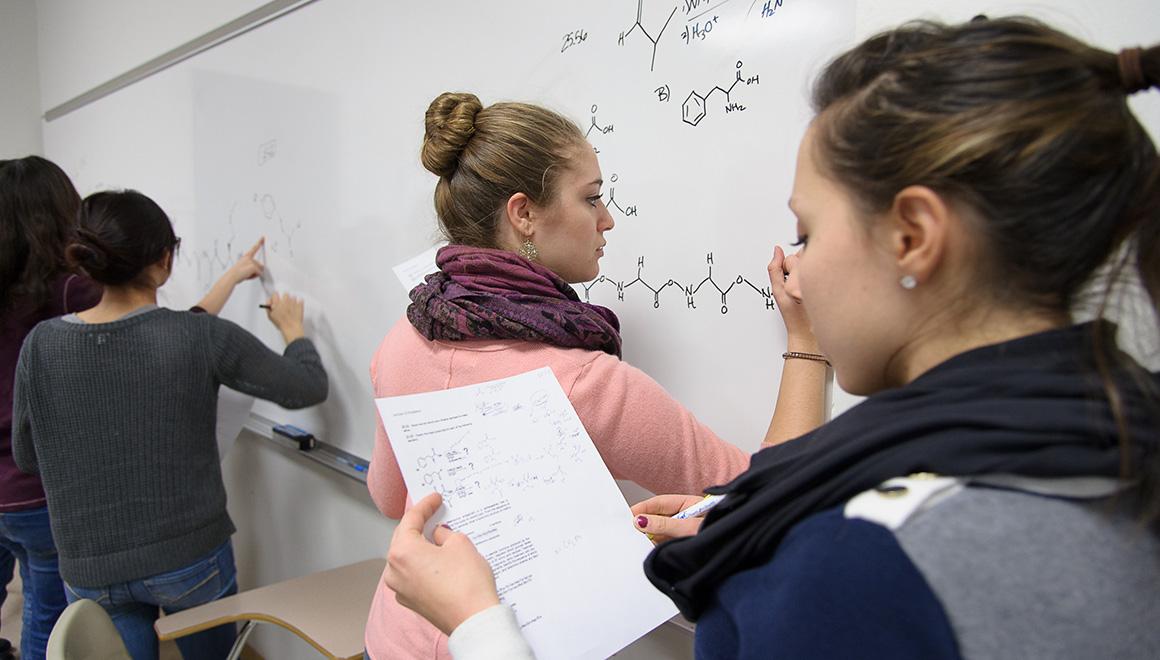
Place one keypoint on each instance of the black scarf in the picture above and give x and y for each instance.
(1034, 406)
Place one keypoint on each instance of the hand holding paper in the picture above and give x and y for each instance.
(508, 456)
(445, 580)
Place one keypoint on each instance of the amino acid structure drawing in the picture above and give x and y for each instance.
(690, 291)
(694, 108)
(638, 25)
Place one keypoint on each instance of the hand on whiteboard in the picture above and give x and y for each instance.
(783, 284)
(447, 581)
(247, 267)
(286, 313)
(656, 515)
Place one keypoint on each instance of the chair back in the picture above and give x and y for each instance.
(84, 631)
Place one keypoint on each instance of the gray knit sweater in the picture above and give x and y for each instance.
(119, 419)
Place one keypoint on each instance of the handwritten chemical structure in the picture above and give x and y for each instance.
(597, 128)
(595, 125)
(695, 106)
(628, 210)
(210, 263)
(638, 25)
(690, 291)
(269, 207)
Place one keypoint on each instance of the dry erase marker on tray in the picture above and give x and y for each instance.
(702, 507)
(357, 467)
(304, 438)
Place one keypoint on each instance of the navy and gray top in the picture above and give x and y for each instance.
(940, 568)
(119, 420)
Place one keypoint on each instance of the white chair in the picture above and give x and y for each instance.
(84, 631)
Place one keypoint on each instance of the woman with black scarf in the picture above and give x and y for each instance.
(998, 492)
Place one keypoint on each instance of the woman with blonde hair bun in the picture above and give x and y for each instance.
(519, 198)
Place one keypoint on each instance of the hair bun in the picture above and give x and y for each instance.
(449, 125)
(1131, 68)
(83, 254)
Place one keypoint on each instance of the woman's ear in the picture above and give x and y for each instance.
(920, 222)
(160, 271)
(518, 213)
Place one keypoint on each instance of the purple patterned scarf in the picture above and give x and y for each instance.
(480, 293)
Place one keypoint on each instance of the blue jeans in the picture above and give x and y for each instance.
(7, 567)
(134, 606)
(26, 535)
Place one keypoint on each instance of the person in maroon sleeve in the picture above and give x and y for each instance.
(38, 210)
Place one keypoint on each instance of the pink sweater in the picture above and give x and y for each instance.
(642, 433)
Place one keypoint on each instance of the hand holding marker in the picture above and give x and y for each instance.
(700, 508)
(658, 529)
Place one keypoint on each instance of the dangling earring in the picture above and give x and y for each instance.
(908, 282)
(528, 250)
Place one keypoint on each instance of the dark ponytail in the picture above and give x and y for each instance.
(1145, 216)
(121, 233)
(1146, 210)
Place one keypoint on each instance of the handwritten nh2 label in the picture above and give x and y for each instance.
(771, 7)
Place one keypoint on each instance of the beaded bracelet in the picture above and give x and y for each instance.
(816, 357)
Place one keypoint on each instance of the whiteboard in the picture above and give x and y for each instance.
(307, 130)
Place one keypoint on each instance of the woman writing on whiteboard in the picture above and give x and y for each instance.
(998, 493)
(519, 197)
(115, 410)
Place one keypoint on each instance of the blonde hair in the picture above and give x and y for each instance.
(483, 156)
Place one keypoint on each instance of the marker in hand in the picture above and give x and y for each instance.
(264, 306)
(700, 508)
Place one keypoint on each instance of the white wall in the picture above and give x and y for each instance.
(20, 133)
(83, 44)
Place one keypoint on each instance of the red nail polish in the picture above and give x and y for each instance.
(445, 526)
(641, 522)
